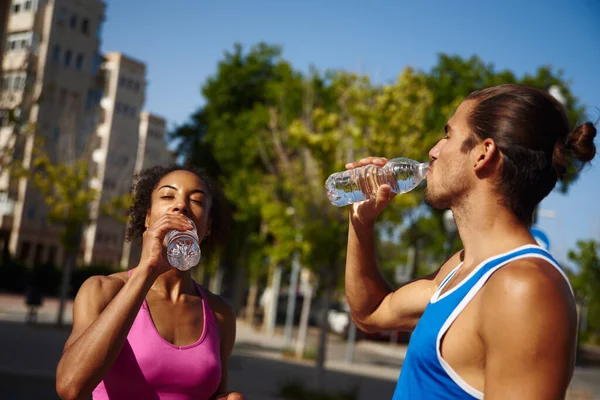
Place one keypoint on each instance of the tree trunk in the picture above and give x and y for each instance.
(330, 274)
(303, 328)
(274, 300)
(291, 301)
(65, 285)
(251, 303)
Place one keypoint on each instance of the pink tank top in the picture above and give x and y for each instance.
(150, 368)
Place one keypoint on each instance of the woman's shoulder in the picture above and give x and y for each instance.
(221, 308)
(105, 286)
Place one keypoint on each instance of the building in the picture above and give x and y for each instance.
(115, 156)
(4, 13)
(151, 151)
(50, 79)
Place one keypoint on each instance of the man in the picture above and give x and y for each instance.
(497, 318)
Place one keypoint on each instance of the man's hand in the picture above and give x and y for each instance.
(230, 396)
(365, 212)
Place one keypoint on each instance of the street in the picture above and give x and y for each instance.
(258, 369)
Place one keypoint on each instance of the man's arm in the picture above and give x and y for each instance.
(528, 327)
(375, 306)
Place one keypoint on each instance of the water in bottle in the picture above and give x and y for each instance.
(183, 250)
(358, 184)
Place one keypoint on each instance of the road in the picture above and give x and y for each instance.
(29, 355)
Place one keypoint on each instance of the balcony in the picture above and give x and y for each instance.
(22, 21)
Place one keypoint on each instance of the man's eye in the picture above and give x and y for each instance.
(166, 197)
(197, 201)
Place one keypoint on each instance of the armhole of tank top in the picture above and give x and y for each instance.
(205, 306)
(436, 294)
(461, 306)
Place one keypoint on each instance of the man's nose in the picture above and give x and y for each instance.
(435, 151)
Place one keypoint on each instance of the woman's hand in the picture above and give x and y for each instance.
(154, 256)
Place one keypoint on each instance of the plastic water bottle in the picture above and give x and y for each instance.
(183, 250)
(358, 184)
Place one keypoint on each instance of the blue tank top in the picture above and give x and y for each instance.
(425, 374)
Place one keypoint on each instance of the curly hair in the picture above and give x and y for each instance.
(146, 181)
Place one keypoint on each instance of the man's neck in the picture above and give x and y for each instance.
(487, 228)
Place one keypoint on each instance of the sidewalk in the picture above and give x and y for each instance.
(29, 355)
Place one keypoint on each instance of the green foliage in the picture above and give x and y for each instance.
(117, 207)
(272, 136)
(65, 190)
(586, 283)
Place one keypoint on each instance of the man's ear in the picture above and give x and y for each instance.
(485, 155)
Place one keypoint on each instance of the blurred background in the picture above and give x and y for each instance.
(270, 97)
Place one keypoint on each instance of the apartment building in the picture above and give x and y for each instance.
(115, 155)
(151, 151)
(50, 78)
(4, 13)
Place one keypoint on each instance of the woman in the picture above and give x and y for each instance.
(152, 332)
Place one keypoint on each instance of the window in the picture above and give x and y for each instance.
(56, 53)
(27, 5)
(61, 16)
(4, 121)
(25, 248)
(19, 41)
(17, 8)
(73, 21)
(79, 62)
(55, 133)
(18, 82)
(6, 81)
(37, 255)
(14, 81)
(51, 259)
(68, 56)
(85, 26)
(136, 86)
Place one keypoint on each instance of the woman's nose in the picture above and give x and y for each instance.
(180, 207)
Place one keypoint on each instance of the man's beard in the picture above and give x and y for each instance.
(437, 201)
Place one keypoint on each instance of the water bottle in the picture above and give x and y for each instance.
(358, 184)
(183, 250)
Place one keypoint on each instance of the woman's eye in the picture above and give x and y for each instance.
(197, 201)
(166, 197)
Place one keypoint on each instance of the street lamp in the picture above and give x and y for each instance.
(451, 230)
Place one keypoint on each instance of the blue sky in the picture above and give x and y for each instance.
(181, 44)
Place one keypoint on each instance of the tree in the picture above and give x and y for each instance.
(67, 196)
(272, 135)
(586, 284)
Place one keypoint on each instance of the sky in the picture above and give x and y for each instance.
(182, 43)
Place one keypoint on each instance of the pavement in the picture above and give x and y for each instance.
(258, 368)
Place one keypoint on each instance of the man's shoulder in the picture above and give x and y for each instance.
(527, 281)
